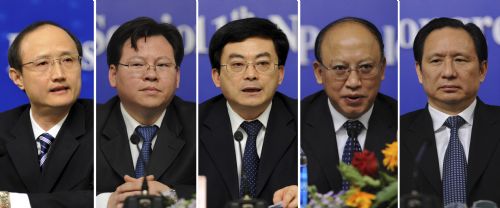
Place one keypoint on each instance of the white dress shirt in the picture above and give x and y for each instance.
(442, 133)
(341, 132)
(130, 125)
(236, 121)
(21, 200)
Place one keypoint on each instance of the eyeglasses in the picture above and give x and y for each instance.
(141, 67)
(341, 72)
(65, 61)
(240, 66)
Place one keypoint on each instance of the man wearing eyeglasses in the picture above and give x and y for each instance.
(349, 115)
(47, 146)
(248, 58)
(144, 59)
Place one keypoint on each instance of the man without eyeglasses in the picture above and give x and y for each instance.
(458, 131)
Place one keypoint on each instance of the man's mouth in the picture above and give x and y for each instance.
(59, 89)
(251, 90)
(354, 99)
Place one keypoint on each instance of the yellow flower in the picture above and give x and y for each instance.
(391, 156)
(360, 199)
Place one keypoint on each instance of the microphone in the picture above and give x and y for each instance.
(416, 199)
(418, 159)
(238, 136)
(246, 201)
(144, 200)
(135, 140)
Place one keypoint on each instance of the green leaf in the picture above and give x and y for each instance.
(387, 193)
(351, 174)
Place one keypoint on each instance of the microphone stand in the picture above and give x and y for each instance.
(416, 199)
(145, 200)
(246, 201)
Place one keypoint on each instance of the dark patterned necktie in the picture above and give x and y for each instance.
(147, 133)
(454, 165)
(352, 145)
(45, 141)
(250, 159)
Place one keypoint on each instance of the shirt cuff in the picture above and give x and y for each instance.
(19, 200)
(101, 200)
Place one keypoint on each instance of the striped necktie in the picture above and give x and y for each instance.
(45, 141)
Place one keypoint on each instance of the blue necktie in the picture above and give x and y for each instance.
(455, 165)
(45, 141)
(352, 145)
(250, 159)
(147, 133)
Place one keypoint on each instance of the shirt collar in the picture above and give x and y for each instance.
(131, 123)
(37, 130)
(438, 117)
(339, 119)
(236, 119)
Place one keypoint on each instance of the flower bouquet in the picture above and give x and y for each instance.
(369, 186)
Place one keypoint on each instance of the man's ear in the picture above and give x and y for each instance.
(318, 72)
(418, 69)
(112, 75)
(483, 70)
(16, 77)
(216, 77)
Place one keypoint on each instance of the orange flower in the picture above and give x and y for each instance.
(391, 156)
(360, 199)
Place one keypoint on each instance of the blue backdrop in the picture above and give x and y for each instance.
(111, 14)
(315, 14)
(213, 14)
(415, 14)
(75, 15)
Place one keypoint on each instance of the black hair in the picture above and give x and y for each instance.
(240, 30)
(365, 23)
(143, 27)
(439, 23)
(14, 54)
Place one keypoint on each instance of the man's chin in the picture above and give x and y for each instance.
(354, 113)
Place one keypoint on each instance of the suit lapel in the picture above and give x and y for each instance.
(381, 129)
(325, 141)
(168, 143)
(422, 131)
(220, 145)
(64, 146)
(483, 143)
(279, 137)
(22, 149)
(115, 146)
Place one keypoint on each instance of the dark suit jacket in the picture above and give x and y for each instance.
(67, 178)
(319, 140)
(484, 155)
(217, 157)
(173, 160)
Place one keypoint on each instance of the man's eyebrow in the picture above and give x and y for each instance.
(235, 55)
(265, 54)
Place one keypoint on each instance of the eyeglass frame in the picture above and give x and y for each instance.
(53, 61)
(348, 71)
(143, 71)
(248, 64)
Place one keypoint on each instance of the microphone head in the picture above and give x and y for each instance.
(135, 139)
(238, 136)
